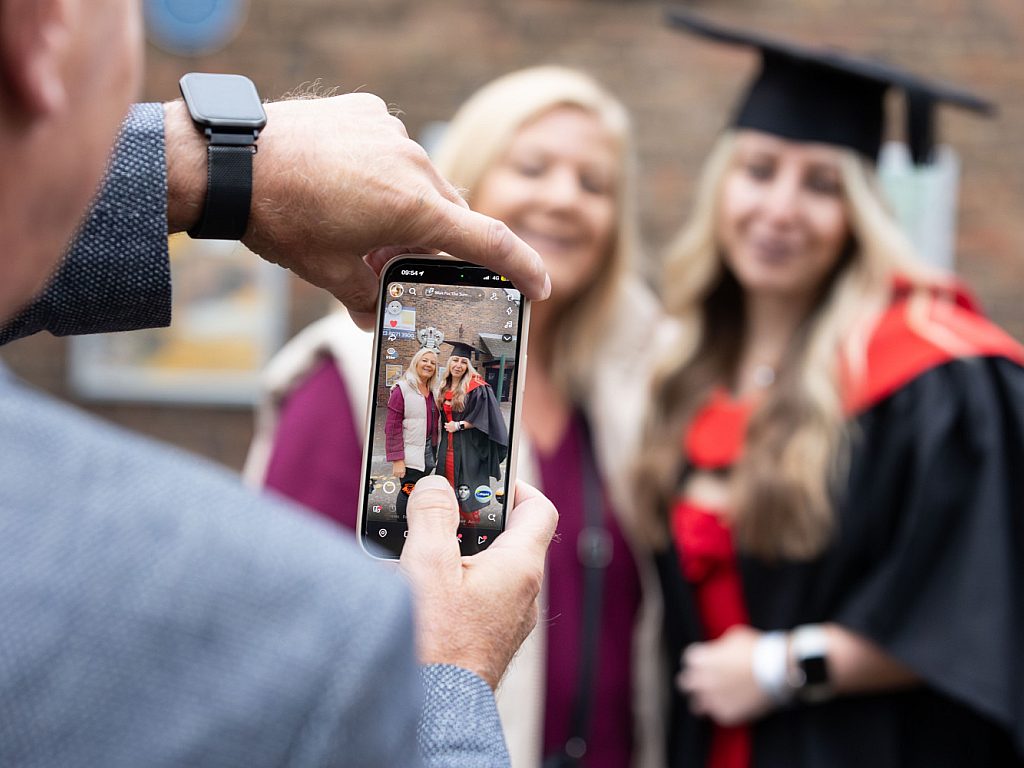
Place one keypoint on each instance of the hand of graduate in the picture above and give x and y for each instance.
(718, 678)
(338, 178)
(474, 612)
(398, 469)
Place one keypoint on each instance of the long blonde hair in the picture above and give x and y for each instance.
(797, 444)
(460, 389)
(475, 141)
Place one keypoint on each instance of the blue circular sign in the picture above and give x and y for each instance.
(193, 27)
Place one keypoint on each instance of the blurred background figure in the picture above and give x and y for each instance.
(310, 426)
(833, 466)
(548, 151)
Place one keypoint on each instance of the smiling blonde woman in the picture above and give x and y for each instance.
(548, 151)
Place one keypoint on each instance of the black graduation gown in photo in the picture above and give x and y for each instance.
(928, 563)
(478, 451)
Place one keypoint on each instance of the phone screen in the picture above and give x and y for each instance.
(445, 389)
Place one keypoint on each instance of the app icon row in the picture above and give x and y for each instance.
(480, 539)
(482, 493)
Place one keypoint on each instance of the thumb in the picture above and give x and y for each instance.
(433, 515)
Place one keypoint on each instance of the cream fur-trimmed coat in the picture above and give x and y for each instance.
(615, 411)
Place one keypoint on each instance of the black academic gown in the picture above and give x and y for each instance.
(928, 563)
(478, 451)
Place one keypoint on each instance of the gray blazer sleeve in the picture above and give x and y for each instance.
(459, 725)
(155, 613)
(116, 275)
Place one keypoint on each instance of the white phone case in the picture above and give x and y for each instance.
(514, 426)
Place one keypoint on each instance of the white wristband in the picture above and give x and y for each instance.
(770, 665)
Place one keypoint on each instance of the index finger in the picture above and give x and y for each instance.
(482, 240)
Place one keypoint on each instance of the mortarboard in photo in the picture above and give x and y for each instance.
(462, 349)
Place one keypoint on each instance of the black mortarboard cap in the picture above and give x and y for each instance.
(462, 349)
(829, 96)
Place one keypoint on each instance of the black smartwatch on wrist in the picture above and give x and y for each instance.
(812, 682)
(227, 109)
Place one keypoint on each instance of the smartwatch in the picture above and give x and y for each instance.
(809, 648)
(227, 109)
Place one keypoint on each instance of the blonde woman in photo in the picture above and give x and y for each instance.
(410, 428)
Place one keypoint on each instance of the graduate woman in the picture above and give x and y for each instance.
(833, 472)
(474, 438)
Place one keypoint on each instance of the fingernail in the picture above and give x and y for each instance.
(547, 286)
(432, 481)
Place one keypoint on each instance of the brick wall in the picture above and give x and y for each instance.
(459, 319)
(426, 56)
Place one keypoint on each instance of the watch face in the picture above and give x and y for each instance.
(223, 101)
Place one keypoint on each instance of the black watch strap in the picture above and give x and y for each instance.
(228, 193)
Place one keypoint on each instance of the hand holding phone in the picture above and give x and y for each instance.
(475, 615)
(444, 397)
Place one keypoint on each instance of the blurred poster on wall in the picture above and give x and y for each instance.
(193, 27)
(392, 373)
(228, 317)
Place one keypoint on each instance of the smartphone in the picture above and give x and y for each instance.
(449, 365)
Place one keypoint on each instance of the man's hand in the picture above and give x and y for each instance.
(337, 179)
(398, 468)
(474, 612)
(718, 678)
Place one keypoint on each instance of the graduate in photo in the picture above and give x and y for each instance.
(474, 438)
(833, 467)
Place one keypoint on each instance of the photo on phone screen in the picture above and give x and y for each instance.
(447, 370)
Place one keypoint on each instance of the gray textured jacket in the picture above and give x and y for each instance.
(154, 612)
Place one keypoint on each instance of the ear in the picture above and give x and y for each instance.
(34, 38)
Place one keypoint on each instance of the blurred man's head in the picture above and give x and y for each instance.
(68, 71)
